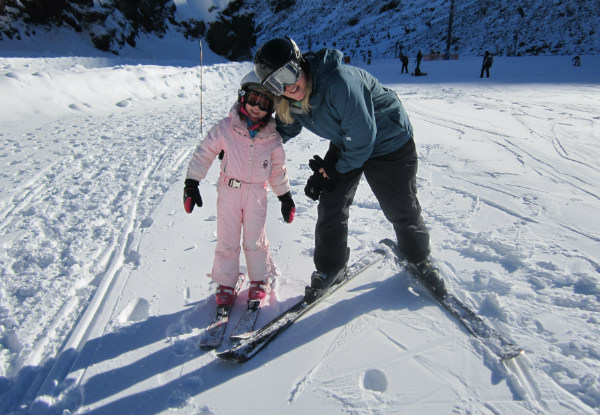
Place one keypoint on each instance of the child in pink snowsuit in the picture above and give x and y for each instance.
(252, 156)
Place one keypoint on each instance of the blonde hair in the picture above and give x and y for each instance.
(282, 105)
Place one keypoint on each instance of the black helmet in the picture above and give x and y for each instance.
(272, 56)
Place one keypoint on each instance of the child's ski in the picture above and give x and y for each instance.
(250, 346)
(245, 325)
(214, 333)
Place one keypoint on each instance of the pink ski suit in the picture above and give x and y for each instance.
(247, 166)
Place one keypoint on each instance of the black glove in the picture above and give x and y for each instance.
(314, 186)
(221, 155)
(316, 163)
(288, 208)
(329, 167)
(191, 195)
(317, 182)
(333, 176)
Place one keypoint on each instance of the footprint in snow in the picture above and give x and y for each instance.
(375, 380)
(137, 310)
(124, 103)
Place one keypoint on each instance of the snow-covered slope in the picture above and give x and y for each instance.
(104, 294)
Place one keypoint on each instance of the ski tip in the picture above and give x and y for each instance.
(231, 357)
(511, 355)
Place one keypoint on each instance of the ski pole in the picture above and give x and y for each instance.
(201, 131)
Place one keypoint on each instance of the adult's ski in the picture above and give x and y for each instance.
(249, 347)
(503, 347)
(245, 325)
(214, 333)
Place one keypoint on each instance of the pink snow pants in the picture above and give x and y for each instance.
(242, 211)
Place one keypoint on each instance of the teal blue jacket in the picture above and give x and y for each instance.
(352, 109)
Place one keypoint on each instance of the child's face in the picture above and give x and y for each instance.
(257, 105)
(254, 112)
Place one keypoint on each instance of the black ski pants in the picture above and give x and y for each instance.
(393, 180)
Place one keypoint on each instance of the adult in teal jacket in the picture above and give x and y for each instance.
(369, 132)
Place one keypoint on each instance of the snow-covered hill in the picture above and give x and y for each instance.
(511, 27)
(528, 27)
(103, 291)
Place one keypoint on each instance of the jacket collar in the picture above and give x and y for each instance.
(240, 124)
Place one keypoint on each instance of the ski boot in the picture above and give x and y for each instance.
(225, 295)
(429, 276)
(258, 290)
(321, 282)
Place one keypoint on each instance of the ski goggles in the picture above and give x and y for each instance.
(287, 75)
(254, 99)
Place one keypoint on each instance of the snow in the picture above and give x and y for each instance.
(104, 293)
(204, 10)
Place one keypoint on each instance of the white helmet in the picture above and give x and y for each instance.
(251, 81)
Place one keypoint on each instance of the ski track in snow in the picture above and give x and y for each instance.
(91, 196)
(523, 202)
(107, 203)
(80, 192)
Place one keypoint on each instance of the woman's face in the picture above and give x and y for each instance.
(297, 90)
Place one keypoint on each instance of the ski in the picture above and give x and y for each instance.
(214, 333)
(245, 325)
(250, 346)
(501, 346)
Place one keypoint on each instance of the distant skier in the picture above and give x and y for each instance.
(419, 57)
(576, 61)
(253, 156)
(488, 60)
(404, 60)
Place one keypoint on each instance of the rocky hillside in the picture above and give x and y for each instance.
(522, 27)
(361, 28)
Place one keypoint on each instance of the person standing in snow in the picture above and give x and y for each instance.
(488, 60)
(419, 58)
(404, 59)
(369, 132)
(252, 156)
